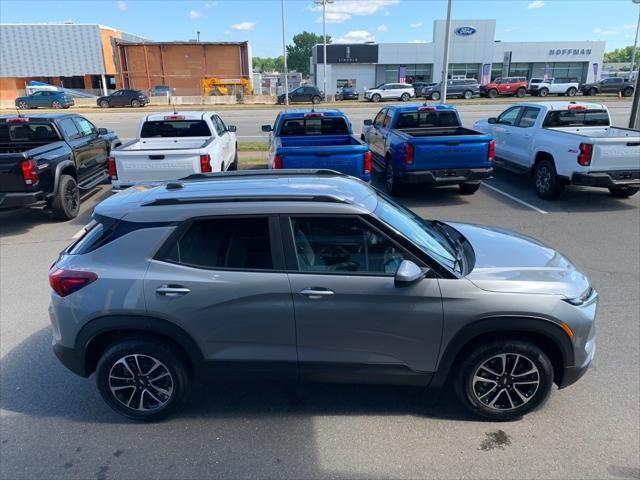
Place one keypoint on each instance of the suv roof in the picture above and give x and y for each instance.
(251, 192)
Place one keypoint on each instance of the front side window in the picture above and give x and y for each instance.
(380, 118)
(86, 127)
(224, 243)
(343, 244)
(510, 116)
(387, 120)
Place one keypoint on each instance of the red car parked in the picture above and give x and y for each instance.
(505, 86)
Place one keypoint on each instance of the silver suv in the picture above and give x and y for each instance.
(317, 276)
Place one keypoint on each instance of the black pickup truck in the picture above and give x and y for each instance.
(47, 159)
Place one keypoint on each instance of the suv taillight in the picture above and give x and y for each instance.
(277, 162)
(492, 150)
(66, 282)
(408, 154)
(367, 161)
(29, 171)
(586, 151)
(205, 163)
(113, 169)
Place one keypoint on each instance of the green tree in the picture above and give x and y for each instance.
(268, 64)
(299, 53)
(619, 55)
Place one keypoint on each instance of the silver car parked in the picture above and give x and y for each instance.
(317, 276)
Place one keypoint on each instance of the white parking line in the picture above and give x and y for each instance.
(253, 136)
(515, 199)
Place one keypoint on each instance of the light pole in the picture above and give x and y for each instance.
(445, 66)
(635, 43)
(284, 52)
(324, 41)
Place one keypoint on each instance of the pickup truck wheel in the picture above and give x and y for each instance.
(392, 182)
(467, 95)
(405, 97)
(592, 92)
(435, 96)
(521, 92)
(376, 97)
(316, 100)
(543, 92)
(627, 92)
(104, 104)
(135, 103)
(493, 93)
(66, 200)
(623, 192)
(468, 188)
(504, 380)
(234, 165)
(572, 92)
(546, 181)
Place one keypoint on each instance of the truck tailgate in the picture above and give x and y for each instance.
(11, 179)
(450, 152)
(616, 153)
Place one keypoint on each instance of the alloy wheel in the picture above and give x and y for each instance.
(71, 197)
(22, 105)
(56, 104)
(506, 381)
(543, 179)
(141, 382)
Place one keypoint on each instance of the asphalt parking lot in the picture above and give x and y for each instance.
(55, 425)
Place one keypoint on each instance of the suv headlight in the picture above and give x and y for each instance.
(582, 298)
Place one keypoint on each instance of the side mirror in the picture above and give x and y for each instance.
(231, 128)
(102, 131)
(493, 120)
(266, 128)
(368, 122)
(407, 274)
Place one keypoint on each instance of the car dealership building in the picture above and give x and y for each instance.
(474, 53)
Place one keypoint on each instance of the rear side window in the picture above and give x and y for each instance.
(528, 118)
(577, 118)
(177, 128)
(228, 243)
(427, 119)
(314, 126)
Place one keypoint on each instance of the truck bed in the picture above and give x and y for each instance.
(437, 131)
(600, 132)
(165, 144)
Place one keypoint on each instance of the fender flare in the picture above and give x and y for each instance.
(502, 325)
(58, 172)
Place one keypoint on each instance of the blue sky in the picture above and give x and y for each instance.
(258, 21)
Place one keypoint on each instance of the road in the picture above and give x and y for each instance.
(54, 424)
(125, 121)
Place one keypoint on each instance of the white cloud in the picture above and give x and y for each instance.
(227, 32)
(629, 26)
(382, 28)
(535, 4)
(343, 10)
(356, 36)
(417, 41)
(510, 29)
(601, 31)
(122, 5)
(416, 25)
(244, 26)
(193, 15)
(210, 4)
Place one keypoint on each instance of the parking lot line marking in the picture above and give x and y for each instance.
(515, 199)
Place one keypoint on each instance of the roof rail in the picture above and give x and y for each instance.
(246, 198)
(263, 173)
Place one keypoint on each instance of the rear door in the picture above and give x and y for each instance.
(520, 138)
(222, 280)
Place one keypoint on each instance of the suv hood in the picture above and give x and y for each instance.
(509, 262)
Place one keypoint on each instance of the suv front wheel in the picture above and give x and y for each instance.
(142, 379)
(504, 380)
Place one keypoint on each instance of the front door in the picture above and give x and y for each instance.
(351, 320)
(222, 280)
(93, 150)
(503, 130)
(376, 140)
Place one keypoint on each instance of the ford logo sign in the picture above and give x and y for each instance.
(465, 31)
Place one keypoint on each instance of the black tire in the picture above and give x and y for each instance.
(22, 105)
(435, 96)
(104, 104)
(592, 92)
(627, 92)
(543, 92)
(392, 183)
(56, 104)
(66, 200)
(546, 181)
(493, 93)
(316, 100)
(234, 165)
(135, 103)
(519, 356)
(521, 92)
(405, 97)
(623, 192)
(141, 385)
(467, 95)
(572, 92)
(468, 188)
(376, 97)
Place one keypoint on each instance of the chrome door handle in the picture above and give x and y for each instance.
(315, 293)
(171, 291)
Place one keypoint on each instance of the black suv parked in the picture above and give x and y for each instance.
(303, 94)
(466, 88)
(123, 98)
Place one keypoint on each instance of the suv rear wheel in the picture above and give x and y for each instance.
(504, 380)
(546, 181)
(543, 92)
(142, 379)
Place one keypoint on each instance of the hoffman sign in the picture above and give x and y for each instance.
(557, 52)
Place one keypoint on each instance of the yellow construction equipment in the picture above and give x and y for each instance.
(225, 86)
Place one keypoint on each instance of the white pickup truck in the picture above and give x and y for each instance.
(172, 145)
(563, 143)
(554, 86)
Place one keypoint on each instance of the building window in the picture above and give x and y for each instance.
(577, 70)
(346, 83)
(464, 70)
(520, 70)
(408, 73)
(496, 71)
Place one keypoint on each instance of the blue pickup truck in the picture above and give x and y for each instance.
(428, 145)
(317, 139)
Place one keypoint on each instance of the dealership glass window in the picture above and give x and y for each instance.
(412, 73)
(520, 70)
(346, 83)
(568, 69)
(464, 70)
(496, 71)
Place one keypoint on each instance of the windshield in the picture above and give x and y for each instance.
(423, 234)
